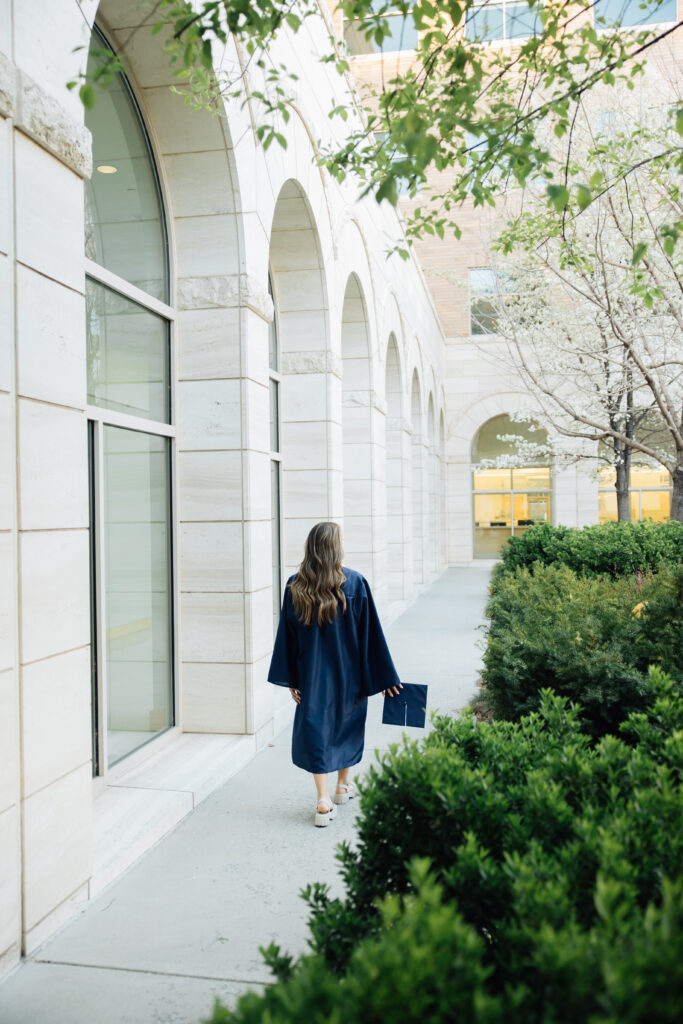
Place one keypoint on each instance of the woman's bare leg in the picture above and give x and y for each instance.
(342, 779)
(321, 787)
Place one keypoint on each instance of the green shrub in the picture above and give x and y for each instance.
(590, 639)
(614, 549)
(552, 894)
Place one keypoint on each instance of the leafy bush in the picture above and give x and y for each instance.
(615, 549)
(589, 639)
(552, 894)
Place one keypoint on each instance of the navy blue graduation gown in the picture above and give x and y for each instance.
(336, 666)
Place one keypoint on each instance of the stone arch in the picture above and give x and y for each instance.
(361, 467)
(417, 478)
(309, 412)
(397, 475)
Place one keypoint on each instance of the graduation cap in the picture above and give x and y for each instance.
(407, 707)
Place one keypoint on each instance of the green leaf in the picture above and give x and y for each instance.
(387, 190)
(584, 196)
(637, 256)
(559, 196)
(679, 121)
(88, 96)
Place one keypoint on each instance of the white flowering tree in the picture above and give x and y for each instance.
(594, 325)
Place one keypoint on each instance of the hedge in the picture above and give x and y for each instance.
(547, 888)
(614, 549)
(589, 639)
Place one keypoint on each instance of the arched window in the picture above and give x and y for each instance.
(130, 429)
(507, 501)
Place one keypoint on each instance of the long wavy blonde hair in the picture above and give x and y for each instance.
(317, 587)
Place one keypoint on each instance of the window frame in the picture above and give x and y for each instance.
(503, 5)
(97, 418)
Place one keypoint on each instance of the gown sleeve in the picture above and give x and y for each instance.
(377, 668)
(282, 671)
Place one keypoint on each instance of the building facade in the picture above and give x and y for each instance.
(204, 350)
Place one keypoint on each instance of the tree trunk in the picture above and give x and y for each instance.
(677, 494)
(622, 486)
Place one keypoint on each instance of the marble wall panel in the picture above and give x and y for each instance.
(256, 414)
(179, 129)
(305, 494)
(8, 597)
(212, 627)
(306, 328)
(55, 592)
(206, 245)
(290, 251)
(50, 340)
(257, 496)
(57, 859)
(9, 741)
(7, 463)
(258, 559)
(259, 615)
(53, 467)
(262, 694)
(209, 486)
(304, 397)
(298, 291)
(213, 698)
(211, 557)
(208, 344)
(55, 718)
(49, 214)
(5, 183)
(200, 183)
(209, 415)
(304, 444)
(6, 340)
(10, 882)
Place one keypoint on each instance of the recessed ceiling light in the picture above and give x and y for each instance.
(107, 169)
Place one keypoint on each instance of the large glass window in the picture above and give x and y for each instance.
(506, 501)
(137, 588)
(274, 382)
(401, 32)
(502, 19)
(649, 494)
(125, 229)
(633, 13)
(128, 337)
(128, 355)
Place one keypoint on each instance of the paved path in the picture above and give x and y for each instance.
(185, 922)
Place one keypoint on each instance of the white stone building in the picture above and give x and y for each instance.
(204, 350)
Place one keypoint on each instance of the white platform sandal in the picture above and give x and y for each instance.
(349, 793)
(323, 818)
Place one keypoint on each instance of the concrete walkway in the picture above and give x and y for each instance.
(184, 924)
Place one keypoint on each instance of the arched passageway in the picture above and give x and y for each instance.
(360, 466)
(305, 404)
(397, 477)
(510, 496)
(417, 483)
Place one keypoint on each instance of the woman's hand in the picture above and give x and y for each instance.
(296, 695)
(392, 691)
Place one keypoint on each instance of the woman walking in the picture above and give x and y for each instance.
(331, 653)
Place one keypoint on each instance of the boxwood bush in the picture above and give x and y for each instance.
(615, 549)
(548, 886)
(590, 639)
